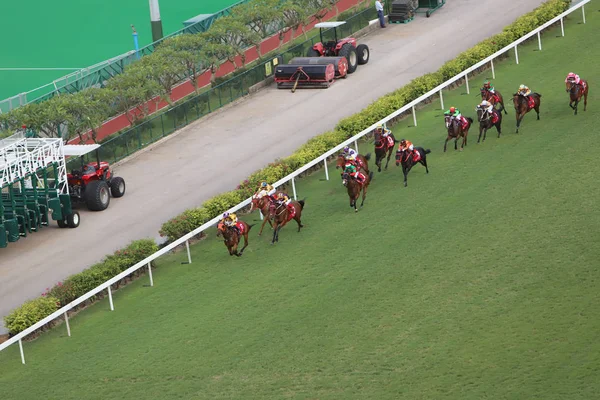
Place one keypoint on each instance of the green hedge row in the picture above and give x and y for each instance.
(77, 285)
(348, 127)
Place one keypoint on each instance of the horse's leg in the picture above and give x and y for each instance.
(405, 172)
(481, 130)
(388, 158)
(245, 244)
(446, 142)
(364, 193)
(455, 141)
(503, 108)
(378, 162)
(275, 230)
(519, 117)
(298, 221)
(575, 107)
(265, 219)
(585, 100)
(537, 110)
(423, 162)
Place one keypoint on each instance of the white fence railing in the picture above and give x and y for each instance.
(291, 177)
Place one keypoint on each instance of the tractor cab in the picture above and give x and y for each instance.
(333, 45)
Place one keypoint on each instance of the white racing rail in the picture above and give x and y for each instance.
(291, 177)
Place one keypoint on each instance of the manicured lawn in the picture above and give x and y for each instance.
(478, 281)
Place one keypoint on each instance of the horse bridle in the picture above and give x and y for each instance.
(485, 112)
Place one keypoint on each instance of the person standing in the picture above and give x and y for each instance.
(379, 8)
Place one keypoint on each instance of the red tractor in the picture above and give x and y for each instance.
(356, 55)
(93, 183)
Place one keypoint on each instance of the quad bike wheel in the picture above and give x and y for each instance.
(97, 195)
(73, 220)
(117, 187)
(363, 53)
(349, 52)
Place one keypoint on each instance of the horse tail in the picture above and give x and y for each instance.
(470, 119)
(370, 176)
(368, 156)
(250, 227)
(427, 151)
(301, 202)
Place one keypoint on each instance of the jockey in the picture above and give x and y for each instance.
(405, 145)
(285, 199)
(524, 91)
(487, 85)
(263, 190)
(229, 219)
(350, 154)
(573, 77)
(353, 172)
(455, 114)
(385, 133)
(487, 106)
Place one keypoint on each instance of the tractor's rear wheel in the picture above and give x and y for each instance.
(313, 53)
(349, 52)
(61, 223)
(117, 187)
(363, 54)
(73, 220)
(97, 195)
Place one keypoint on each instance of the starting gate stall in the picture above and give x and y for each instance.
(34, 188)
(427, 7)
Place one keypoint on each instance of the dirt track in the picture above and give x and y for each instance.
(213, 155)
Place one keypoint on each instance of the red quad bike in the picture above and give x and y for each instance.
(339, 47)
(93, 183)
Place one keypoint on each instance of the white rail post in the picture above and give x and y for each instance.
(467, 83)
(68, 326)
(356, 146)
(414, 113)
(493, 70)
(187, 246)
(516, 54)
(562, 27)
(326, 169)
(261, 216)
(21, 349)
(150, 274)
(583, 13)
(442, 98)
(294, 188)
(112, 306)
(539, 41)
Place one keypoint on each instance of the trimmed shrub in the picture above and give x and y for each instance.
(29, 313)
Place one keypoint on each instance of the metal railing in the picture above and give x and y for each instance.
(184, 240)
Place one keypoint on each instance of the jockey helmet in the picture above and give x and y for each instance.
(571, 74)
(380, 128)
(264, 184)
(346, 149)
(522, 86)
(226, 215)
(403, 142)
(485, 103)
(486, 83)
(452, 109)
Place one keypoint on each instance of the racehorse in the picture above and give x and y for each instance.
(408, 161)
(354, 188)
(262, 204)
(280, 215)
(455, 130)
(361, 162)
(231, 236)
(486, 121)
(494, 98)
(576, 92)
(382, 146)
(524, 105)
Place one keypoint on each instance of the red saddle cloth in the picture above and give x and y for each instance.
(464, 122)
(240, 226)
(531, 102)
(495, 117)
(390, 142)
(291, 212)
(416, 156)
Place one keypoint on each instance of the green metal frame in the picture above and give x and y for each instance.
(428, 7)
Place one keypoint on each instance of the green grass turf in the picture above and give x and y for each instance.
(478, 281)
(73, 34)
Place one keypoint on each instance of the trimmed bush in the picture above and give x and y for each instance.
(77, 285)
(29, 313)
